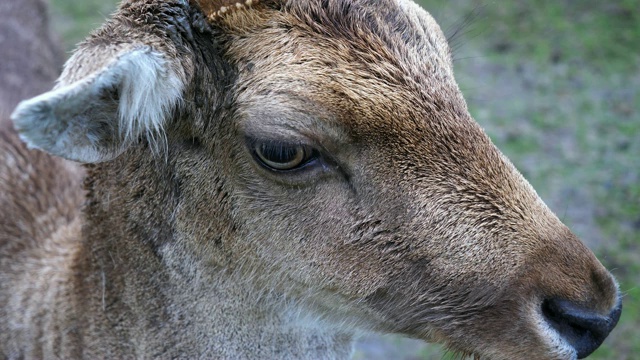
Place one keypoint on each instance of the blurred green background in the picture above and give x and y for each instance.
(556, 84)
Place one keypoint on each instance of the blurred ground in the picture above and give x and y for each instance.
(556, 84)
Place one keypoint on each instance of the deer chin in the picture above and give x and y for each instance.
(539, 340)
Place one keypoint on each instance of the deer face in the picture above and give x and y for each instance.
(333, 159)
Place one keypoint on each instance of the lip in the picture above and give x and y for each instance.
(552, 337)
(551, 345)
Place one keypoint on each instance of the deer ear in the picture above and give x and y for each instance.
(95, 116)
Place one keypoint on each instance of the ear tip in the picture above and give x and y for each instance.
(36, 124)
(23, 111)
(30, 118)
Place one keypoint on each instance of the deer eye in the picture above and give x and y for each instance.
(279, 156)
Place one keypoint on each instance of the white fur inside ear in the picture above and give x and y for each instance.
(82, 121)
(147, 97)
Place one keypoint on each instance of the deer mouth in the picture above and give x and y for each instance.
(551, 329)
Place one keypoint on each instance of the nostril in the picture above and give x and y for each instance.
(582, 328)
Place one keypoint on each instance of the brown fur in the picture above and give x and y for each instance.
(414, 223)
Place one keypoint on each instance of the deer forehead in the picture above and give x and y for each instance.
(370, 74)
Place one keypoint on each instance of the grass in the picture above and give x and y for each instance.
(74, 19)
(556, 84)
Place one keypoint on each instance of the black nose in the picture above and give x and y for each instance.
(584, 329)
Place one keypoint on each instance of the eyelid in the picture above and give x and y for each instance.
(252, 141)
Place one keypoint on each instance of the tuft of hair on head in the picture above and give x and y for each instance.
(217, 9)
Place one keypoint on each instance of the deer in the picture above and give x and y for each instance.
(274, 179)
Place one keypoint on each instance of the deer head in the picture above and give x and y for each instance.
(321, 150)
